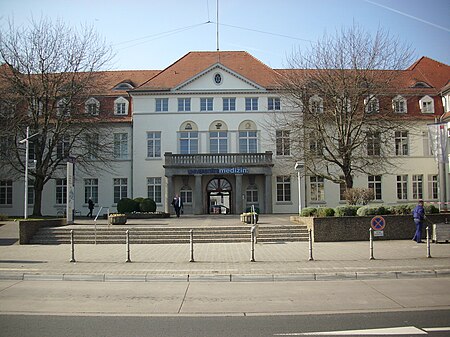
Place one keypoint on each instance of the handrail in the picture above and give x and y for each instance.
(95, 222)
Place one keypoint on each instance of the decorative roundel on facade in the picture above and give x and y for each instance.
(218, 78)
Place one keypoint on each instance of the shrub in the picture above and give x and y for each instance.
(325, 211)
(309, 211)
(358, 196)
(372, 210)
(3, 217)
(430, 209)
(127, 205)
(147, 205)
(404, 209)
(139, 200)
(346, 210)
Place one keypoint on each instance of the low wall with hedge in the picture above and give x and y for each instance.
(27, 228)
(356, 228)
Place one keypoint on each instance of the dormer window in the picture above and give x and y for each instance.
(92, 106)
(121, 106)
(123, 86)
(399, 105)
(421, 85)
(316, 104)
(63, 107)
(426, 105)
(372, 105)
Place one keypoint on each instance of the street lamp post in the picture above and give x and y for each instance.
(299, 168)
(27, 150)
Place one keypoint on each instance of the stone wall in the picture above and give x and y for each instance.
(398, 227)
(27, 228)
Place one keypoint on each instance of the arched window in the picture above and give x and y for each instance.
(188, 138)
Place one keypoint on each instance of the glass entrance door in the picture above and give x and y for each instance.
(219, 196)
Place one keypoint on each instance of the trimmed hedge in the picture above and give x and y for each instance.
(147, 205)
(127, 205)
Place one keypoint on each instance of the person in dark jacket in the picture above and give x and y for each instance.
(177, 204)
(91, 207)
(419, 216)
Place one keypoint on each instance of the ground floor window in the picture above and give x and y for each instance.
(402, 187)
(30, 192)
(91, 190)
(375, 185)
(154, 189)
(120, 189)
(61, 191)
(417, 186)
(186, 194)
(283, 188)
(5, 192)
(317, 188)
(433, 186)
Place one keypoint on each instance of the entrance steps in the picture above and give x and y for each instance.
(168, 235)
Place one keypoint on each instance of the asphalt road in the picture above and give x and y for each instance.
(409, 323)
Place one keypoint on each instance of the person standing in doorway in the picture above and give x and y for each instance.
(91, 207)
(419, 216)
(177, 204)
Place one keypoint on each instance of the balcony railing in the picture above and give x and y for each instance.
(222, 159)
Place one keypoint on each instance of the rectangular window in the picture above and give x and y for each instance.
(189, 142)
(248, 142)
(315, 144)
(5, 192)
(206, 104)
(417, 186)
(427, 107)
(252, 194)
(186, 195)
(120, 189)
(373, 143)
(229, 104)
(273, 103)
(374, 183)
(433, 186)
(184, 104)
(92, 145)
(153, 144)
(283, 142)
(62, 148)
(283, 188)
(317, 188)
(6, 144)
(251, 103)
(121, 108)
(61, 191)
(30, 192)
(154, 188)
(92, 108)
(402, 187)
(399, 106)
(218, 142)
(91, 190)
(121, 145)
(401, 143)
(162, 104)
(342, 190)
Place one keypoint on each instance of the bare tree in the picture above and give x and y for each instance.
(49, 70)
(341, 90)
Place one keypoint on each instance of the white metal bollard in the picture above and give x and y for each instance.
(428, 242)
(128, 245)
(371, 243)
(253, 232)
(310, 246)
(191, 239)
(72, 244)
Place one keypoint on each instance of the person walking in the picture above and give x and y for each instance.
(177, 204)
(91, 207)
(419, 216)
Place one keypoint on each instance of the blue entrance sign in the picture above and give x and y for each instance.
(378, 223)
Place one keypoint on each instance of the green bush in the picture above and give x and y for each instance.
(309, 211)
(147, 205)
(346, 210)
(3, 217)
(404, 209)
(430, 209)
(139, 199)
(372, 210)
(325, 211)
(249, 209)
(127, 205)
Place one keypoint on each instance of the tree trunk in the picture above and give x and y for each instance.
(38, 188)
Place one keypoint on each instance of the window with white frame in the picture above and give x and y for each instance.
(162, 104)
(62, 147)
(184, 104)
(401, 143)
(121, 106)
(91, 190)
(426, 105)
(316, 104)
(120, 189)
(373, 143)
(121, 145)
(371, 104)
(6, 192)
(186, 194)
(252, 194)
(154, 144)
(248, 142)
(206, 104)
(317, 188)
(315, 144)
(63, 107)
(433, 191)
(283, 188)
(251, 103)
(92, 106)
(61, 189)
(342, 190)
(218, 141)
(31, 195)
(417, 186)
(154, 188)
(283, 142)
(92, 145)
(189, 142)
(374, 183)
(399, 105)
(402, 187)
(274, 103)
(229, 104)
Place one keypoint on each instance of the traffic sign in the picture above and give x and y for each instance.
(378, 223)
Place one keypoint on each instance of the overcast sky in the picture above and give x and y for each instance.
(152, 34)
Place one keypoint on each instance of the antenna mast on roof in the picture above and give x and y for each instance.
(217, 27)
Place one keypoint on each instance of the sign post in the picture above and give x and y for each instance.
(378, 223)
(70, 205)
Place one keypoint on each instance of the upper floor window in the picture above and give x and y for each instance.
(283, 142)
(248, 142)
(6, 192)
(273, 103)
(63, 107)
(62, 147)
(6, 146)
(121, 145)
(399, 105)
(218, 141)
(206, 104)
(401, 143)
(153, 144)
(251, 103)
(315, 144)
(123, 86)
(229, 104)
(371, 104)
(373, 143)
(426, 105)
(121, 106)
(92, 106)
(316, 104)
(162, 104)
(184, 104)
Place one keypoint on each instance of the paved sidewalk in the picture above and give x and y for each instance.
(218, 262)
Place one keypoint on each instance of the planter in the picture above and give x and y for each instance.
(115, 219)
(249, 218)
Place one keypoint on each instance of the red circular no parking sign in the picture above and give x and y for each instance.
(378, 223)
